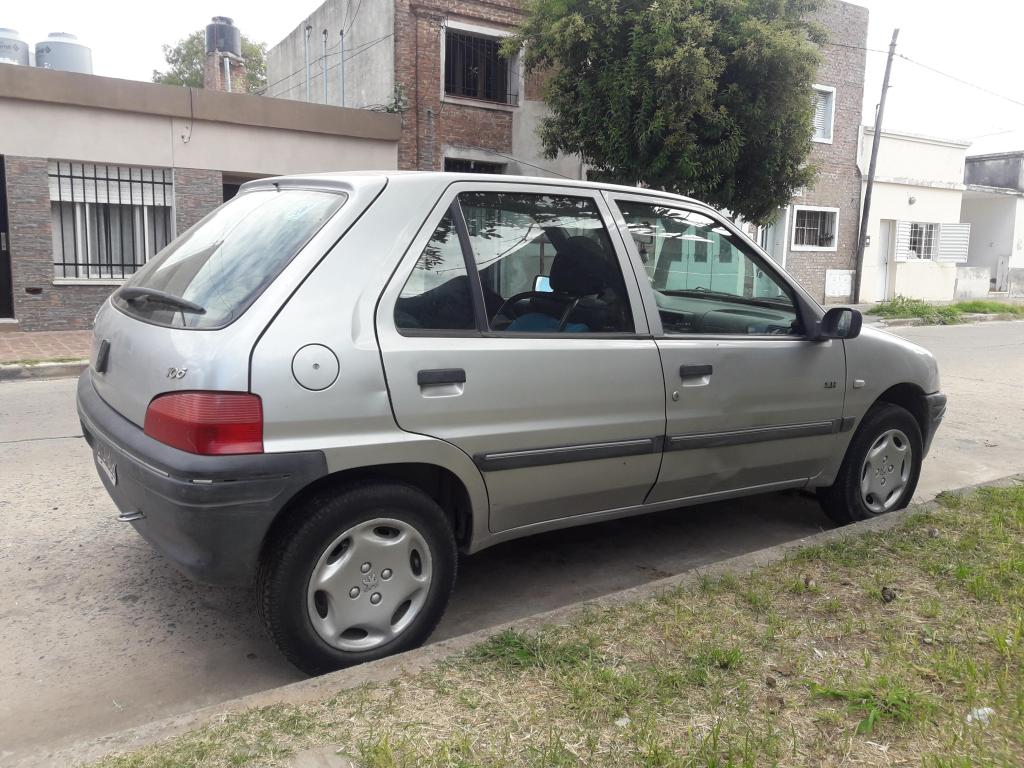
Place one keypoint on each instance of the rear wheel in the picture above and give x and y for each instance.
(356, 575)
(880, 470)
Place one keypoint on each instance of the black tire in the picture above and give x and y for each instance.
(842, 501)
(297, 545)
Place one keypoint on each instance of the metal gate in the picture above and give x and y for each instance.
(6, 284)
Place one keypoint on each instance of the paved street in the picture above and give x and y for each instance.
(97, 633)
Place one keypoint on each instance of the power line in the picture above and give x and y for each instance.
(960, 80)
(352, 23)
(350, 54)
(513, 159)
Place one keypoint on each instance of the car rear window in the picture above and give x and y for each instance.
(225, 262)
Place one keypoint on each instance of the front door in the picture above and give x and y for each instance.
(511, 331)
(751, 404)
(885, 244)
(6, 282)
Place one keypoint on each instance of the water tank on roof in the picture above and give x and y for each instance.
(222, 35)
(13, 50)
(63, 51)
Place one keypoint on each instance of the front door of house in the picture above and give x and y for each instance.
(884, 262)
(6, 284)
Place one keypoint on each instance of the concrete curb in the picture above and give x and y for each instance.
(967, 319)
(416, 660)
(19, 372)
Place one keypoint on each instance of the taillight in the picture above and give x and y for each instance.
(211, 423)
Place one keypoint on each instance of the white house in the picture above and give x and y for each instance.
(917, 245)
(994, 206)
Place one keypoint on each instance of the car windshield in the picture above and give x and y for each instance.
(225, 262)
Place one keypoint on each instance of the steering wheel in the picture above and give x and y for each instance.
(512, 301)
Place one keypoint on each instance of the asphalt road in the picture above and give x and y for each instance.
(98, 633)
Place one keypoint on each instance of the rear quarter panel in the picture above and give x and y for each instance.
(351, 421)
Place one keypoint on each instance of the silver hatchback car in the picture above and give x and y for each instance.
(333, 384)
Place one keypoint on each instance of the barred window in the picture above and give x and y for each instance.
(107, 220)
(923, 240)
(814, 229)
(475, 69)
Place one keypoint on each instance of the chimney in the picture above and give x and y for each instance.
(225, 68)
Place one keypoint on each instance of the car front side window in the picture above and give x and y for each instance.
(704, 278)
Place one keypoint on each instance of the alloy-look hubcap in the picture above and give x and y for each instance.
(369, 584)
(886, 471)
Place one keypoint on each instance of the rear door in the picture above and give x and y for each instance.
(751, 403)
(553, 386)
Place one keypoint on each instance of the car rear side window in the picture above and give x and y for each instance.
(437, 295)
(209, 276)
(546, 263)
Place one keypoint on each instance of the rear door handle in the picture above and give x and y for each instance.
(694, 371)
(441, 376)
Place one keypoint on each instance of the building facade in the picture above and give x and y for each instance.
(994, 205)
(815, 236)
(917, 245)
(125, 166)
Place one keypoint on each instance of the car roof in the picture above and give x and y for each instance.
(421, 179)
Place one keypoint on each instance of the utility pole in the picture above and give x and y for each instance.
(865, 214)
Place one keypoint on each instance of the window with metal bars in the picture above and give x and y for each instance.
(475, 69)
(107, 220)
(814, 229)
(923, 239)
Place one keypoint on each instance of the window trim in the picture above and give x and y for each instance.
(808, 313)
(450, 198)
(814, 248)
(831, 91)
(515, 74)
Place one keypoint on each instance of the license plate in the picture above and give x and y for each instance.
(105, 461)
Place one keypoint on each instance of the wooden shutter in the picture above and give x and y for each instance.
(954, 240)
(902, 240)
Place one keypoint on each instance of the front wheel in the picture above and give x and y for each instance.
(356, 575)
(880, 470)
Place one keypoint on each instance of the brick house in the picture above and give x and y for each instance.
(470, 110)
(126, 166)
(815, 236)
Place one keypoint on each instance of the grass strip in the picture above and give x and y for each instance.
(942, 314)
(897, 648)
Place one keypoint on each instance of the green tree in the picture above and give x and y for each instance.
(710, 98)
(187, 59)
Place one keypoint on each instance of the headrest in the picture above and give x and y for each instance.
(579, 267)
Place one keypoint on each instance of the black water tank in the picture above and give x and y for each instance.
(222, 35)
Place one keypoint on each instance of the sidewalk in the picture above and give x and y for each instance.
(41, 346)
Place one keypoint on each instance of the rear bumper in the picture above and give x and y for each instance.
(207, 514)
(936, 410)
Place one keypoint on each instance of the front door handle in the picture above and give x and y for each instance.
(694, 371)
(441, 376)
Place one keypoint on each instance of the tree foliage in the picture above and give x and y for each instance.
(710, 98)
(187, 59)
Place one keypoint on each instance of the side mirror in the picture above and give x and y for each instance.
(542, 284)
(840, 323)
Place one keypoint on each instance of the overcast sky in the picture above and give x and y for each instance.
(977, 41)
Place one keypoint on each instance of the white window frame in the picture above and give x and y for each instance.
(515, 74)
(819, 248)
(827, 89)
